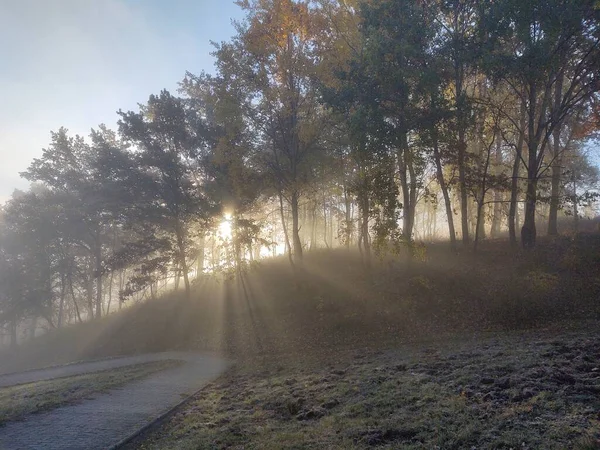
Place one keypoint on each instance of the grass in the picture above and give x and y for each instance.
(335, 302)
(18, 401)
(482, 350)
(528, 391)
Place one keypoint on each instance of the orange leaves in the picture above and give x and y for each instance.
(591, 124)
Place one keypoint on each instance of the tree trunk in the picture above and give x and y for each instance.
(348, 217)
(61, 304)
(285, 231)
(556, 162)
(498, 195)
(514, 198)
(90, 291)
(405, 196)
(408, 183)
(497, 214)
(434, 231)
(413, 193)
(514, 185)
(528, 232)
(554, 198)
(257, 248)
(183, 266)
(364, 228)
(365, 238)
(484, 165)
(444, 188)
(186, 278)
(237, 247)
(313, 225)
(13, 332)
(464, 210)
(296, 228)
(325, 222)
(73, 298)
(121, 284)
(462, 143)
(331, 238)
(200, 261)
(518, 215)
(33, 327)
(479, 222)
(98, 255)
(110, 290)
(575, 207)
(177, 276)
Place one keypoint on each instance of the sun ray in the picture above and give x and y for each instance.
(225, 229)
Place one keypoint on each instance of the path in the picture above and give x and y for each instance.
(104, 421)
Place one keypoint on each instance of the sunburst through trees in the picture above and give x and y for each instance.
(368, 125)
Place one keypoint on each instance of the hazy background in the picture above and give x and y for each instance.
(74, 63)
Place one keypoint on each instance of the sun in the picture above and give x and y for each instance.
(225, 227)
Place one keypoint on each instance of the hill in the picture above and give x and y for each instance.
(490, 350)
(333, 302)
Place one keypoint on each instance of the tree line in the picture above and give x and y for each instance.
(326, 122)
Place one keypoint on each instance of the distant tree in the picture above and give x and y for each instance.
(458, 46)
(549, 53)
(272, 61)
(170, 139)
(397, 37)
(29, 259)
(69, 168)
(231, 175)
(581, 183)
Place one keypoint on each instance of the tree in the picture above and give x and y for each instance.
(29, 259)
(458, 42)
(170, 139)
(230, 174)
(436, 128)
(548, 52)
(68, 168)
(272, 61)
(397, 39)
(581, 180)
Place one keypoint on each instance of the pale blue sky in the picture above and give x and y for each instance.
(74, 63)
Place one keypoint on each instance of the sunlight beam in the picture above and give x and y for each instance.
(225, 227)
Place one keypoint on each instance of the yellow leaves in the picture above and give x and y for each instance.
(306, 38)
(292, 19)
(450, 91)
(276, 23)
(150, 115)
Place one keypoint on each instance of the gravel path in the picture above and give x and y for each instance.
(104, 421)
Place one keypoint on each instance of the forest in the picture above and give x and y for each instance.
(376, 126)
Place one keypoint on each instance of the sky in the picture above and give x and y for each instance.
(74, 63)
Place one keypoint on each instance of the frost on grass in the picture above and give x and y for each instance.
(521, 392)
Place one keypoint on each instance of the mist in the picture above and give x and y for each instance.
(300, 224)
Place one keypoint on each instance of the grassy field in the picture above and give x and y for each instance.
(333, 301)
(533, 390)
(18, 401)
(333, 355)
